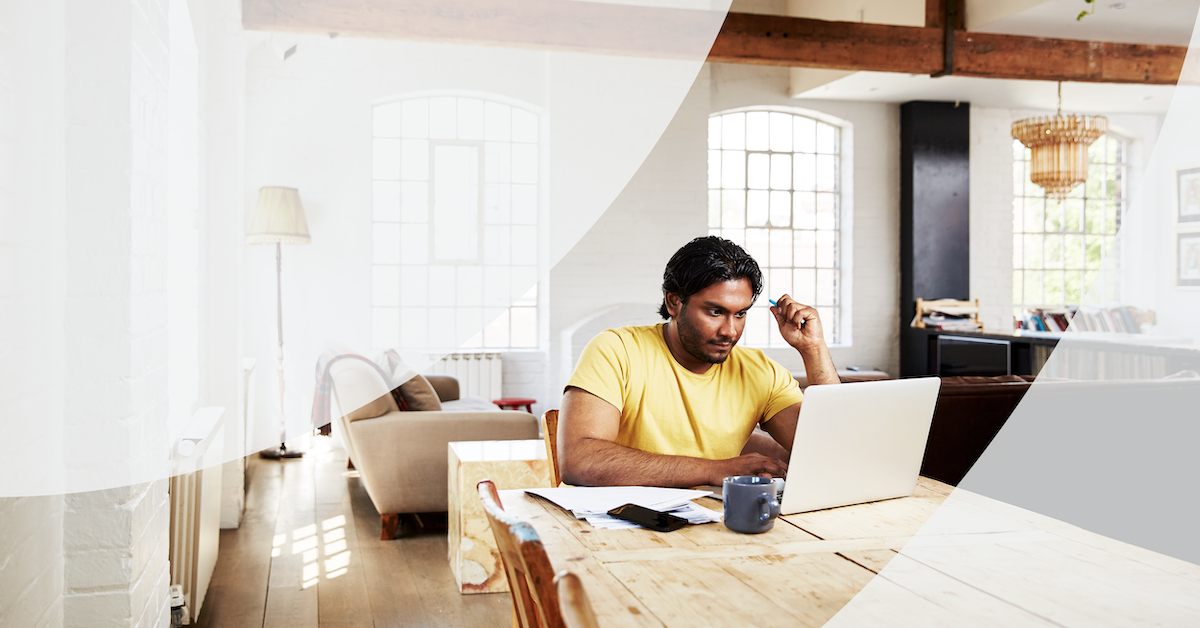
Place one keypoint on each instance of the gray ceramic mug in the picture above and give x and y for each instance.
(750, 503)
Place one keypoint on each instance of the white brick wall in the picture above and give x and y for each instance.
(991, 201)
(115, 540)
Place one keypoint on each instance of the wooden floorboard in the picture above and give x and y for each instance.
(308, 554)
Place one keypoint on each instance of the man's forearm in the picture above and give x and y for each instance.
(818, 366)
(596, 462)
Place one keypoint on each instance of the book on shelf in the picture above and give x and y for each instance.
(1123, 319)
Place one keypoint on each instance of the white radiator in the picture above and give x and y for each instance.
(196, 506)
(478, 374)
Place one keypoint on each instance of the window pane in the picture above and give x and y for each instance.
(827, 173)
(827, 211)
(757, 244)
(758, 137)
(714, 209)
(755, 331)
(523, 277)
(496, 332)
(415, 118)
(524, 326)
(524, 204)
(806, 286)
(1074, 287)
(806, 248)
(781, 132)
(1053, 287)
(385, 243)
(1033, 251)
(414, 201)
(470, 119)
(714, 168)
(385, 327)
(497, 162)
(414, 285)
(736, 236)
(414, 160)
(1018, 257)
(733, 131)
(781, 282)
(441, 285)
(1093, 252)
(805, 135)
(1018, 214)
(469, 286)
(757, 208)
(805, 209)
(1019, 177)
(385, 285)
(443, 118)
(441, 328)
(805, 173)
(714, 132)
(1054, 214)
(385, 162)
(414, 327)
(497, 122)
(781, 172)
(497, 282)
(825, 287)
(468, 322)
(529, 299)
(826, 138)
(1073, 216)
(414, 244)
(781, 248)
(1073, 253)
(826, 250)
(524, 163)
(758, 171)
(733, 169)
(497, 203)
(733, 208)
(1054, 253)
(456, 202)
(385, 201)
(1033, 288)
(525, 126)
(387, 120)
(496, 244)
(781, 209)
(524, 245)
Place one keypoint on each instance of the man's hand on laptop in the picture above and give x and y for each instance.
(748, 464)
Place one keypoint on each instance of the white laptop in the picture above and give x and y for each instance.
(859, 442)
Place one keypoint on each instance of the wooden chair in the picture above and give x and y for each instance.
(549, 423)
(573, 602)
(530, 576)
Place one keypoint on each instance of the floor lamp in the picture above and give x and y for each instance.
(279, 219)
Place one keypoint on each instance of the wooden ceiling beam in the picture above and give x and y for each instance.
(616, 29)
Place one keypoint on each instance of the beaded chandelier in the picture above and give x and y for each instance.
(1059, 144)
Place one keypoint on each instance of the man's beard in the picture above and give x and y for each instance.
(693, 343)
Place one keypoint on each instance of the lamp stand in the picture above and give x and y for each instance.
(275, 453)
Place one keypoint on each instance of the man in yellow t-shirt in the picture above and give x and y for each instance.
(675, 404)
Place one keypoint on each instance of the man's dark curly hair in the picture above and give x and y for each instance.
(703, 262)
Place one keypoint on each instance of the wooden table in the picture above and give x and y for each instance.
(952, 560)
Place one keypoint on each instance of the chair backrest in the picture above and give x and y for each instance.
(573, 602)
(530, 576)
(549, 422)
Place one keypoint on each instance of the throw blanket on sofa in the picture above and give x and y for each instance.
(324, 388)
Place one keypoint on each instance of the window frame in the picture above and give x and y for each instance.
(538, 304)
(844, 201)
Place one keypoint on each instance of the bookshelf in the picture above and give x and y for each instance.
(1083, 355)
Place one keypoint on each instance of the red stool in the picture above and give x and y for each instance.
(513, 403)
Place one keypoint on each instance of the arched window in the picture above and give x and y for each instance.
(1058, 244)
(774, 187)
(455, 224)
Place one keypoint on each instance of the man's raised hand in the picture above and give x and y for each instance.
(798, 324)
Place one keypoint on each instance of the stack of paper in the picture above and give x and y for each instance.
(593, 503)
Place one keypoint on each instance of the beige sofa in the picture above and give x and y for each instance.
(402, 456)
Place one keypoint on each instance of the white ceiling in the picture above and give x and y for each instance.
(1141, 21)
(1167, 22)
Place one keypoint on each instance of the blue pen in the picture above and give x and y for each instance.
(772, 302)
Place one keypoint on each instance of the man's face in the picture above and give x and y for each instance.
(711, 321)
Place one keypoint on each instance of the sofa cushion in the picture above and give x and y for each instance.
(419, 395)
(470, 404)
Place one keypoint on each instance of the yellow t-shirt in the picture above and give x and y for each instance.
(667, 409)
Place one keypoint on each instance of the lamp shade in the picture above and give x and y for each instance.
(278, 217)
